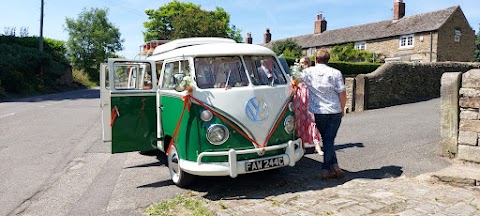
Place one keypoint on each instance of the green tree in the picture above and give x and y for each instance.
(92, 38)
(477, 47)
(348, 53)
(180, 20)
(288, 48)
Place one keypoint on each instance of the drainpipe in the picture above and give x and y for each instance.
(431, 45)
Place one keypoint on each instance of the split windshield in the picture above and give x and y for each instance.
(216, 72)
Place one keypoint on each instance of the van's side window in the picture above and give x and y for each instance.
(264, 70)
(220, 72)
(131, 76)
(171, 69)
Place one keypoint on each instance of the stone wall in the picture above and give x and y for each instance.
(398, 83)
(350, 90)
(424, 43)
(469, 128)
(67, 78)
(460, 118)
(448, 48)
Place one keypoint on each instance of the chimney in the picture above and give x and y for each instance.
(248, 40)
(320, 24)
(267, 37)
(398, 9)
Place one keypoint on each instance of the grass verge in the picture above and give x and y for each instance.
(182, 204)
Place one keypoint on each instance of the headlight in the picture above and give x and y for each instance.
(217, 134)
(206, 115)
(289, 124)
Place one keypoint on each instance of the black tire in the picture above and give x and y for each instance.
(179, 177)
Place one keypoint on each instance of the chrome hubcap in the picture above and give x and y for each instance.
(174, 162)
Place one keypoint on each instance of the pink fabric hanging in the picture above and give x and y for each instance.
(304, 119)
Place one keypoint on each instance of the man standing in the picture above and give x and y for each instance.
(327, 98)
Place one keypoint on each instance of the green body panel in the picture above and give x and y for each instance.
(187, 139)
(135, 129)
(191, 139)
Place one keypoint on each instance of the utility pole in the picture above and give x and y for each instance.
(41, 27)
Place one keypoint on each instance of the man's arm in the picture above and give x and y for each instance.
(343, 100)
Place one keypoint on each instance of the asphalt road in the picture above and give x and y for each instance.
(53, 162)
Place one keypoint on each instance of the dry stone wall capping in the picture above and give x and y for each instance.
(399, 82)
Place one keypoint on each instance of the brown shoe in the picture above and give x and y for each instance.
(328, 175)
(339, 172)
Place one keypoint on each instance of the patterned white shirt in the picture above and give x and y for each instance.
(324, 85)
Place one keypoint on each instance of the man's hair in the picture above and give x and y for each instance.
(322, 56)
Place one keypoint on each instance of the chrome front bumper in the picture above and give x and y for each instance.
(293, 153)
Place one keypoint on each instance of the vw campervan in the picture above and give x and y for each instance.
(214, 106)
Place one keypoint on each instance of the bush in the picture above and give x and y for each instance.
(3, 94)
(348, 53)
(290, 60)
(288, 48)
(26, 70)
(351, 69)
(347, 68)
(55, 48)
(82, 78)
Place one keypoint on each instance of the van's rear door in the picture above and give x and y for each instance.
(132, 105)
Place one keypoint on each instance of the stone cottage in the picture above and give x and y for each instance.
(437, 36)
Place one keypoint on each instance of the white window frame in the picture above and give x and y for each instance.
(362, 45)
(458, 35)
(405, 42)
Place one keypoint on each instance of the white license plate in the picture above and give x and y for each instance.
(263, 164)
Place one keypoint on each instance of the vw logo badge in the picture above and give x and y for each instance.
(256, 109)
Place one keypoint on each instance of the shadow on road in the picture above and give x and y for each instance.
(285, 180)
(69, 95)
(306, 175)
(349, 145)
(337, 147)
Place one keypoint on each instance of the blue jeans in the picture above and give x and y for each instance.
(327, 125)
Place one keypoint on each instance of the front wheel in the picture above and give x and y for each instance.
(179, 177)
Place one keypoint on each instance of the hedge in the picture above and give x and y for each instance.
(347, 68)
(26, 70)
(353, 68)
(55, 48)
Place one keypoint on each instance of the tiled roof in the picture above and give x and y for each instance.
(424, 22)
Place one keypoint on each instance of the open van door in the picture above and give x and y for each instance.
(105, 103)
(132, 92)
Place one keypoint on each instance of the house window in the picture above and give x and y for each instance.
(311, 51)
(361, 45)
(406, 41)
(458, 35)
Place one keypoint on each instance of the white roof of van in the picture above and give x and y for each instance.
(207, 47)
(184, 42)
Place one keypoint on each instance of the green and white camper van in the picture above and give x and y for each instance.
(214, 106)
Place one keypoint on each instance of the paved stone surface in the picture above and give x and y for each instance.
(390, 196)
(460, 173)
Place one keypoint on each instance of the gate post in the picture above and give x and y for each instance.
(449, 112)
(360, 93)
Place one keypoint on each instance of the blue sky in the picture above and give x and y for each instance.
(285, 18)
